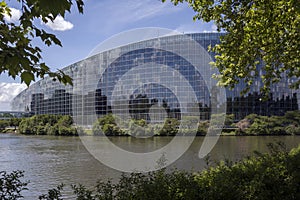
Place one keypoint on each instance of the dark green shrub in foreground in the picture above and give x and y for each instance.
(266, 176)
(53, 194)
(11, 186)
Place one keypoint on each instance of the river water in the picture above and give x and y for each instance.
(50, 160)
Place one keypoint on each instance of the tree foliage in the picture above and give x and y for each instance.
(48, 125)
(11, 185)
(3, 124)
(253, 124)
(107, 125)
(18, 55)
(261, 40)
(170, 127)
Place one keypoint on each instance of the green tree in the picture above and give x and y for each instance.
(65, 120)
(202, 127)
(14, 122)
(18, 55)
(47, 125)
(107, 125)
(259, 32)
(3, 124)
(170, 127)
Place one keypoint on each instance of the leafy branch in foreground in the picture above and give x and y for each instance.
(261, 40)
(18, 56)
(11, 185)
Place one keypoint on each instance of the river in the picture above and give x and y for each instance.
(50, 160)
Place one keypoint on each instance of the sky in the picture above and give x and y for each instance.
(81, 33)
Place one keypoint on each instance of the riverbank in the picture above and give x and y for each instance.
(251, 125)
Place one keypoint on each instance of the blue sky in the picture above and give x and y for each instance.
(80, 34)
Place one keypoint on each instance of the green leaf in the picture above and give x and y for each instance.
(27, 77)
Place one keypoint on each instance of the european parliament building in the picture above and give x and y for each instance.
(165, 75)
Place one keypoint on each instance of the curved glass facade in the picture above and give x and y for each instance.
(159, 72)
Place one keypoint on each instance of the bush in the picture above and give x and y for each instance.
(65, 120)
(11, 186)
(170, 127)
(274, 125)
(53, 194)
(51, 130)
(267, 176)
(66, 131)
(40, 130)
(203, 127)
(26, 126)
(107, 125)
(3, 124)
(293, 129)
(47, 125)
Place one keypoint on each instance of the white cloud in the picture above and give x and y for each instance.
(197, 27)
(188, 28)
(59, 24)
(15, 15)
(7, 92)
(214, 28)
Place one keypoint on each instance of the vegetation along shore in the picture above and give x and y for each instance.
(253, 124)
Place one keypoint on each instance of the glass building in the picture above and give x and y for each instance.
(150, 79)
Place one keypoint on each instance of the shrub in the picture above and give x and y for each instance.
(11, 186)
(53, 194)
(293, 129)
(66, 131)
(3, 124)
(170, 127)
(40, 130)
(202, 127)
(51, 130)
(65, 120)
(26, 126)
(107, 125)
(274, 125)
(47, 125)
